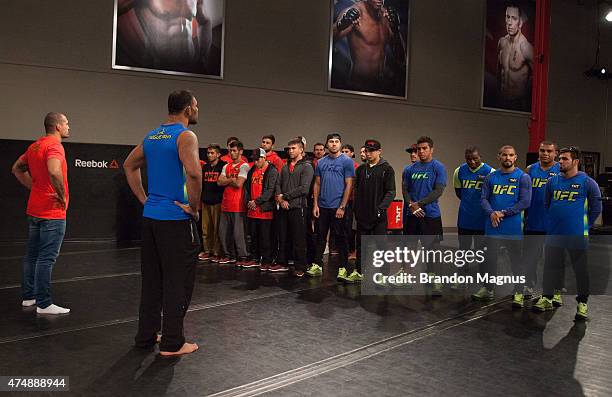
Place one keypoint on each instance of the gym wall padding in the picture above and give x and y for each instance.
(101, 207)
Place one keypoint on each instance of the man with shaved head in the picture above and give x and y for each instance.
(43, 170)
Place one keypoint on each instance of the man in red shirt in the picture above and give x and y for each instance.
(259, 190)
(226, 157)
(233, 207)
(43, 170)
(267, 144)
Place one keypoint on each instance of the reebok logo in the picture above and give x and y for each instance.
(95, 164)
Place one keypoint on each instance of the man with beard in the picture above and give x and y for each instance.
(536, 214)
(332, 189)
(506, 193)
(170, 240)
(573, 202)
(374, 191)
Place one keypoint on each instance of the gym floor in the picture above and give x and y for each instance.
(276, 335)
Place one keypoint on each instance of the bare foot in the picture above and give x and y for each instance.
(185, 349)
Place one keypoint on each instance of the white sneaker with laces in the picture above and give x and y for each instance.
(28, 302)
(52, 309)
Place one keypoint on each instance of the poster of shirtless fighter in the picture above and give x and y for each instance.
(368, 47)
(183, 37)
(508, 55)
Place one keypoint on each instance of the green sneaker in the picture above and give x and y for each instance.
(543, 305)
(436, 288)
(518, 300)
(557, 301)
(484, 294)
(582, 311)
(314, 270)
(342, 273)
(354, 277)
(397, 276)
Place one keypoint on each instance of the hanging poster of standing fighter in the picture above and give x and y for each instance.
(508, 55)
(181, 37)
(368, 51)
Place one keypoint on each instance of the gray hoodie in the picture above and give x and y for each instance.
(294, 186)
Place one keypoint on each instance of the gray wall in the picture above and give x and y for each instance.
(56, 55)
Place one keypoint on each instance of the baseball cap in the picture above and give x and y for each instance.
(372, 144)
(412, 148)
(257, 153)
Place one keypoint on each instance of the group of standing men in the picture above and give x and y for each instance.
(283, 203)
(267, 212)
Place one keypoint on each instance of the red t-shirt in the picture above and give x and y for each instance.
(256, 190)
(42, 202)
(233, 197)
(227, 159)
(275, 160)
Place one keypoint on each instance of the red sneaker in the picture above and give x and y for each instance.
(247, 263)
(278, 268)
(225, 260)
(204, 256)
(264, 267)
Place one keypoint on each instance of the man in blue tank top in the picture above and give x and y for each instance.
(170, 241)
(506, 193)
(467, 180)
(573, 202)
(535, 221)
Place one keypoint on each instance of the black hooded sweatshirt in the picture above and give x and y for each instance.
(374, 192)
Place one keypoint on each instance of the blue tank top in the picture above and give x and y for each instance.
(165, 174)
(536, 214)
(504, 193)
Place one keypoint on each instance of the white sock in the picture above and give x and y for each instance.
(28, 302)
(52, 309)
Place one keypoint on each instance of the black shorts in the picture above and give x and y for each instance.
(423, 226)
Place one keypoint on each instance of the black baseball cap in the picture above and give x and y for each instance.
(372, 144)
(412, 148)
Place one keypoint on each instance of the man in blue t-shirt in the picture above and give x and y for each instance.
(506, 193)
(334, 175)
(535, 221)
(467, 180)
(422, 185)
(573, 202)
(170, 241)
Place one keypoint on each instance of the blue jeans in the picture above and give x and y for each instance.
(44, 241)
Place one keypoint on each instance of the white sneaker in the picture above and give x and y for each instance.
(52, 309)
(28, 302)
